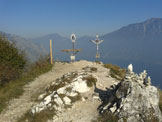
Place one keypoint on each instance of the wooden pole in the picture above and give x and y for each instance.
(51, 52)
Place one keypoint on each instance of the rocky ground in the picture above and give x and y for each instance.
(18, 107)
(134, 99)
(81, 91)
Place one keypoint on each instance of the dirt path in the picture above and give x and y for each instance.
(86, 111)
(18, 107)
(80, 112)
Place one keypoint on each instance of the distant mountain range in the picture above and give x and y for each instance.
(137, 42)
(140, 44)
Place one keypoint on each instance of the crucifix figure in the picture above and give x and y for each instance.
(97, 41)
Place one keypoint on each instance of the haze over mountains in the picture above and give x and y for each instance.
(140, 44)
(32, 50)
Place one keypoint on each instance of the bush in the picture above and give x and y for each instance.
(14, 88)
(12, 61)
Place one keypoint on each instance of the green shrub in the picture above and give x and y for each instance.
(116, 71)
(12, 61)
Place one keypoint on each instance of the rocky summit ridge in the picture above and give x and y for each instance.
(86, 94)
(134, 99)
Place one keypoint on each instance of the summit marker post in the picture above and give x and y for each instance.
(51, 57)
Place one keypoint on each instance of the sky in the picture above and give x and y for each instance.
(34, 18)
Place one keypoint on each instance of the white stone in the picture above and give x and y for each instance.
(41, 109)
(81, 87)
(58, 101)
(41, 96)
(36, 109)
(130, 68)
(72, 94)
(67, 100)
(113, 109)
(55, 107)
(47, 99)
(96, 97)
(83, 99)
(61, 90)
(33, 110)
(49, 105)
(41, 104)
(148, 80)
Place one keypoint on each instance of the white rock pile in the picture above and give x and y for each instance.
(62, 92)
(133, 99)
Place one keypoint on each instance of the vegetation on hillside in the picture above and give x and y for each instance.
(13, 72)
(116, 71)
(90, 80)
(12, 61)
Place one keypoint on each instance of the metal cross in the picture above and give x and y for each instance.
(97, 41)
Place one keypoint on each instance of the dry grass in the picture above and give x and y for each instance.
(106, 117)
(75, 98)
(42, 116)
(93, 69)
(90, 80)
(116, 71)
(90, 69)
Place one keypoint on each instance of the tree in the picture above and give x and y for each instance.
(12, 61)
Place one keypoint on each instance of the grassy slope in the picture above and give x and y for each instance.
(116, 71)
(15, 88)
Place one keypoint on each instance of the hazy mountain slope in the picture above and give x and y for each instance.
(60, 42)
(32, 50)
(140, 42)
(88, 48)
